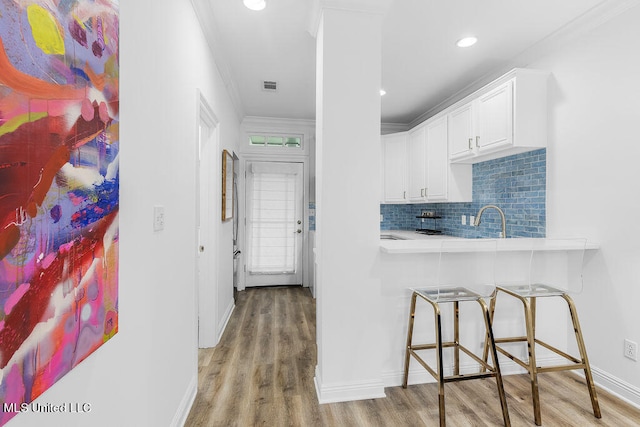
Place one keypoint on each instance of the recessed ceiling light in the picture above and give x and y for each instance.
(466, 42)
(383, 92)
(255, 4)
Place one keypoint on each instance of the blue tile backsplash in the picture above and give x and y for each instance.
(517, 184)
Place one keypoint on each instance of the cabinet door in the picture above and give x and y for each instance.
(495, 118)
(417, 165)
(437, 160)
(395, 167)
(461, 134)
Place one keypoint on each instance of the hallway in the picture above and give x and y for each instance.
(262, 370)
(261, 373)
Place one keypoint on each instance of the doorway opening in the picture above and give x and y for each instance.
(274, 200)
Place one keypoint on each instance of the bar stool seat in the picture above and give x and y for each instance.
(545, 261)
(447, 292)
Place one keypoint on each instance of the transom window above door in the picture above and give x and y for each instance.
(275, 140)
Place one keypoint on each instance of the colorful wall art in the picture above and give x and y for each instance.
(59, 184)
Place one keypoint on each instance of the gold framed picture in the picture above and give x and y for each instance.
(227, 185)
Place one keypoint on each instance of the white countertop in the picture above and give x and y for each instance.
(411, 242)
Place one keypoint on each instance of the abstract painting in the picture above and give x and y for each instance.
(59, 190)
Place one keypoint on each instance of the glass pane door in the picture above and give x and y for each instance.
(274, 199)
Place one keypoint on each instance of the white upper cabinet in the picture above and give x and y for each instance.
(508, 116)
(437, 160)
(394, 161)
(432, 161)
(416, 168)
(417, 162)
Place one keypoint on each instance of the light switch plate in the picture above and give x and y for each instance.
(464, 220)
(158, 218)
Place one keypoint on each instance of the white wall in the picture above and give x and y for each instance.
(593, 182)
(347, 205)
(147, 373)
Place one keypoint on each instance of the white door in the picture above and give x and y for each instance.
(207, 215)
(274, 223)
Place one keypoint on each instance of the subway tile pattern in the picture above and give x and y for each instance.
(517, 184)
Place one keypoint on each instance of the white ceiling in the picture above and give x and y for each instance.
(421, 66)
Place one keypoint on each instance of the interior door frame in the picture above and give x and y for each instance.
(293, 158)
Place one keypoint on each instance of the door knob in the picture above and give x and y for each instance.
(201, 248)
(298, 231)
(299, 222)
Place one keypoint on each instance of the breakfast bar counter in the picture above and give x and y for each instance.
(411, 242)
(410, 260)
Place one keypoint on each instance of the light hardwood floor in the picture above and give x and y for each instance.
(261, 373)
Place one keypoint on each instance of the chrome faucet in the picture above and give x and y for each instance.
(504, 222)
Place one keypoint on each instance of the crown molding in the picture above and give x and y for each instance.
(578, 27)
(204, 14)
(386, 128)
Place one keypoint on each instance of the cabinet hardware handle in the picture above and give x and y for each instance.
(478, 141)
(422, 192)
(404, 195)
(470, 142)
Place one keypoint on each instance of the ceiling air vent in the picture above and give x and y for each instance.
(269, 86)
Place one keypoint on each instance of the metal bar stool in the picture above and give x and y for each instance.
(553, 271)
(464, 275)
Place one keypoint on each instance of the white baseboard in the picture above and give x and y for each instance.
(616, 386)
(189, 397)
(416, 376)
(225, 320)
(345, 392)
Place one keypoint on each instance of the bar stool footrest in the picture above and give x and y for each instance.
(577, 364)
(451, 378)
